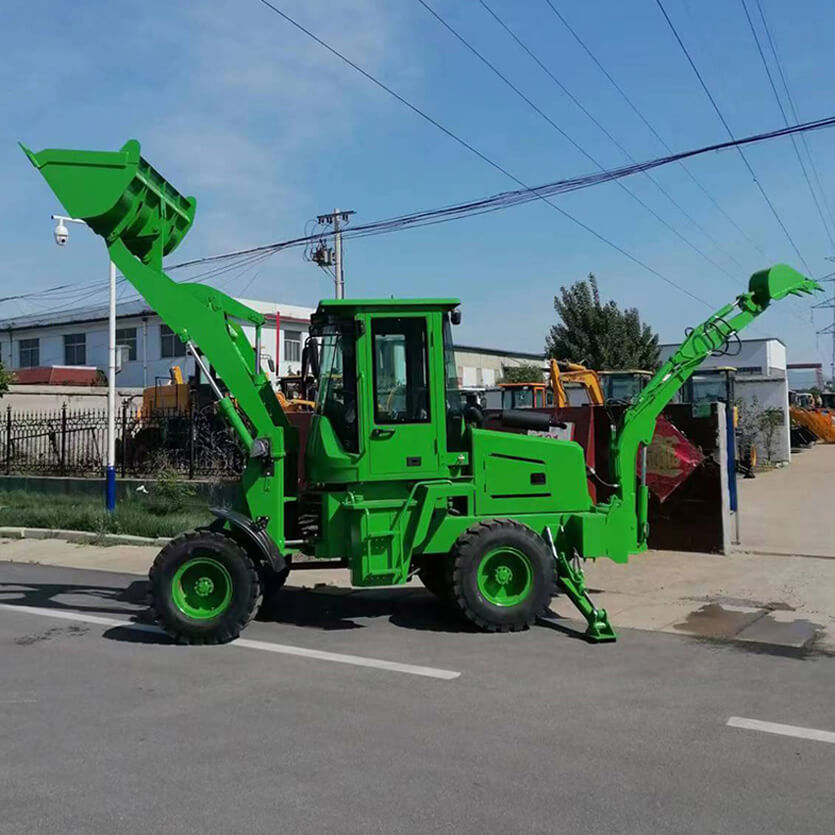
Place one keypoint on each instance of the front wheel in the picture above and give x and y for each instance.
(503, 575)
(204, 588)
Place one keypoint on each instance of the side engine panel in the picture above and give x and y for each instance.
(518, 474)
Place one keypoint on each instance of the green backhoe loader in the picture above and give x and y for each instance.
(396, 476)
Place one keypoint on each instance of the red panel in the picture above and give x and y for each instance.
(56, 376)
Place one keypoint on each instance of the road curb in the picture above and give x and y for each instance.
(82, 537)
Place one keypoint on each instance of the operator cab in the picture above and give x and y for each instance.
(389, 403)
(533, 395)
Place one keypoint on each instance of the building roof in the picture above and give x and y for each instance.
(57, 375)
(498, 352)
(137, 307)
(391, 302)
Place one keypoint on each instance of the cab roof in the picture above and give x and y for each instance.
(361, 304)
(329, 309)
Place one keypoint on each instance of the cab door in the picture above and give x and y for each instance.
(403, 438)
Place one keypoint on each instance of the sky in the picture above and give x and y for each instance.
(267, 129)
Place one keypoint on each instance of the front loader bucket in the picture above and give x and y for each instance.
(119, 195)
(778, 282)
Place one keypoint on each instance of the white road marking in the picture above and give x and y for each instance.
(357, 660)
(783, 730)
(246, 643)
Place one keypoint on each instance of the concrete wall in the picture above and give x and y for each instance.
(776, 356)
(52, 398)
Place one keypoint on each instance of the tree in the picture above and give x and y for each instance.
(6, 378)
(599, 335)
(769, 423)
(526, 373)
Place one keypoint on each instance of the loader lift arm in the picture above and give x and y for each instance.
(142, 218)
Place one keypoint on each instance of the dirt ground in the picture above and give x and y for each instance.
(790, 510)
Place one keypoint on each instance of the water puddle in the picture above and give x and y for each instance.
(715, 621)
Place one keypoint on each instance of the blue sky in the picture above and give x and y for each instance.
(267, 130)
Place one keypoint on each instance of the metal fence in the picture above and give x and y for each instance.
(73, 442)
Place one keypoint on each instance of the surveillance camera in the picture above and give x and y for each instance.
(61, 234)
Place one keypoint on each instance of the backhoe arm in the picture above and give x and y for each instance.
(638, 422)
(570, 372)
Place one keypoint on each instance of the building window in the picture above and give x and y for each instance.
(127, 337)
(292, 346)
(75, 349)
(30, 353)
(170, 345)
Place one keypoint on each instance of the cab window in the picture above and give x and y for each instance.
(401, 370)
(337, 399)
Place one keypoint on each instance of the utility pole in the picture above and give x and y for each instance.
(830, 328)
(324, 256)
(337, 257)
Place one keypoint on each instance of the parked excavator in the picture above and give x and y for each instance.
(392, 478)
(814, 412)
(537, 394)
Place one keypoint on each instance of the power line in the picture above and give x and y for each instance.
(564, 134)
(243, 264)
(508, 199)
(731, 134)
(614, 141)
(229, 261)
(786, 122)
(471, 148)
(653, 130)
(794, 112)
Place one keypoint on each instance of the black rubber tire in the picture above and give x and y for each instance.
(466, 555)
(246, 588)
(273, 581)
(435, 573)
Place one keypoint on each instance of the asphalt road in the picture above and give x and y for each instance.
(106, 729)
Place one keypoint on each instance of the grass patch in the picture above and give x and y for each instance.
(137, 515)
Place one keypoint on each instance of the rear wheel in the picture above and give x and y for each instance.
(503, 575)
(204, 588)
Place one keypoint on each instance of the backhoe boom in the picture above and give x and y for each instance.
(638, 422)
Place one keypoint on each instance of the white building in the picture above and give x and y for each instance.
(761, 374)
(79, 338)
(479, 368)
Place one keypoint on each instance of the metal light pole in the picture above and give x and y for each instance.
(61, 237)
(110, 473)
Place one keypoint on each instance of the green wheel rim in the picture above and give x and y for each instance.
(505, 576)
(202, 588)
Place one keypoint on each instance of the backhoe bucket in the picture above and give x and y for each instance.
(778, 282)
(119, 195)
